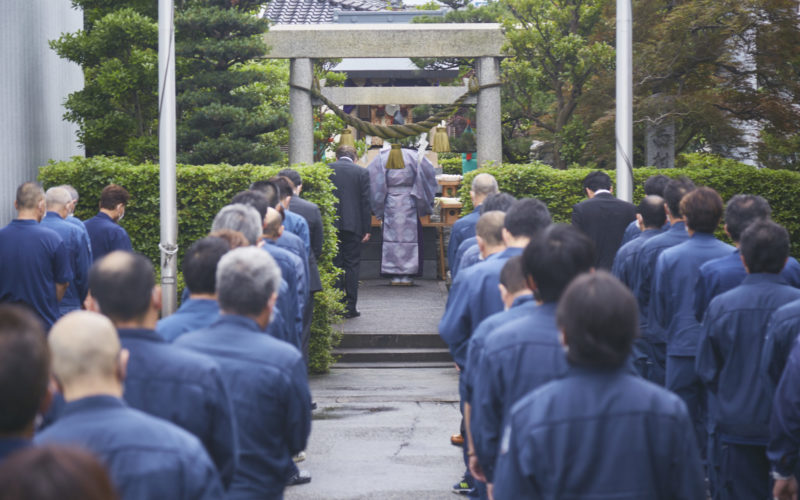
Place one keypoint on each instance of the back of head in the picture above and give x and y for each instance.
(599, 318)
(484, 185)
(269, 190)
(490, 227)
(112, 195)
(743, 210)
(497, 201)
(285, 187)
(54, 472)
(253, 198)
(73, 193)
(234, 239)
(85, 349)
(24, 368)
(765, 247)
(56, 198)
(674, 192)
(241, 218)
(346, 152)
(292, 175)
(651, 208)
(655, 184)
(246, 280)
(200, 264)
(272, 224)
(597, 180)
(553, 259)
(29, 195)
(513, 275)
(526, 217)
(122, 285)
(702, 209)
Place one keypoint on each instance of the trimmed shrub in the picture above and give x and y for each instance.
(202, 191)
(450, 165)
(560, 189)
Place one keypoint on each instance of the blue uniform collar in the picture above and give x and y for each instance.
(508, 253)
(524, 299)
(11, 444)
(24, 222)
(240, 321)
(52, 215)
(678, 226)
(91, 403)
(140, 333)
(194, 304)
(703, 236)
(104, 215)
(585, 371)
(756, 278)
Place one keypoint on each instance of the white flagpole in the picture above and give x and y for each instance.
(624, 122)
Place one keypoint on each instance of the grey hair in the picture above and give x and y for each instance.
(56, 197)
(71, 190)
(246, 279)
(239, 217)
(484, 184)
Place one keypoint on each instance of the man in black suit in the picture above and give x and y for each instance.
(351, 188)
(602, 217)
(310, 212)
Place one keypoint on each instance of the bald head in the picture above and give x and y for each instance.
(272, 224)
(651, 210)
(29, 195)
(56, 199)
(490, 227)
(122, 286)
(482, 186)
(85, 351)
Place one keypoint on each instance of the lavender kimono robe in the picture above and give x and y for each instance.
(399, 198)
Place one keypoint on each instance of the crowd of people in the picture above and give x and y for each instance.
(631, 354)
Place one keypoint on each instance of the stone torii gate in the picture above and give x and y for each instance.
(303, 43)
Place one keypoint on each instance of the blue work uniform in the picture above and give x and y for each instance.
(599, 434)
(147, 458)
(80, 261)
(271, 400)
(297, 225)
(518, 357)
(625, 260)
(631, 232)
(33, 259)
(106, 236)
(9, 445)
(292, 306)
(185, 388)
(193, 314)
(728, 360)
(783, 329)
(277, 327)
(463, 247)
(783, 449)
(462, 229)
(472, 256)
(720, 275)
(672, 311)
(473, 297)
(85, 234)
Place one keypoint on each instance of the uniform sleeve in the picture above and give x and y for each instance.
(777, 344)
(708, 360)
(644, 278)
(303, 233)
(688, 477)
(511, 481)
(121, 241)
(452, 246)
(487, 414)
(224, 446)
(701, 295)
(618, 268)
(791, 272)
(784, 427)
(62, 268)
(81, 263)
(660, 313)
(298, 409)
(631, 232)
(316, 232)
(201, 479)
(455, 325)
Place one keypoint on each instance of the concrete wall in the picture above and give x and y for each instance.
(34, 82)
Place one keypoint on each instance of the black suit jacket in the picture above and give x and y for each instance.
(351, 188)
(604, 219)
(310, 212)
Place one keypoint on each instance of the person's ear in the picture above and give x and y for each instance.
(90, 304)
(725, 227)
(562, 339)
(744, 263)
(156, 298)
(530, 283)
(640, 221)
(280, 231)
(122, 364)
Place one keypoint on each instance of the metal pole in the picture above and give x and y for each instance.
(167, 156)
(624, 123)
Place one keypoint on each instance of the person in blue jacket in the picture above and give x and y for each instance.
(76, 221)
(720, 275)
(523, 354)
(728, 359)
(147, 457)
(672, 301)
(267, 377)
(163, 380)
(199, 273)
(782, 331)
(468, 252)
(599, 432)
(294, 223)
(482, 186)
(783, 450)
(653, 186)
(105, 233)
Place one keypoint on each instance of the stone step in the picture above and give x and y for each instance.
(377, 355)
(393, 365)
(391, 340)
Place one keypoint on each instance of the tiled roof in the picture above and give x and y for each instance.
(316, 11)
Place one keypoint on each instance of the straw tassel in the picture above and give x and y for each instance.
(441, 142)
(395, 160)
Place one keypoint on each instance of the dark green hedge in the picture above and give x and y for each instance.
(560, 189)
(202, 191)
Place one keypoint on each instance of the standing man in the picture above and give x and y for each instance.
(76, 221)
(650, 217)
(482, 186)
(653, 186)
(57, 201)
(351, 189)
(35, 265)
(602, 217)
(104, 230)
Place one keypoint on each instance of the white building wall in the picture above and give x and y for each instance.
(34, 82)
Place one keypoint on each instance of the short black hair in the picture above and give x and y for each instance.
(674, 192)
(112, 195)
(554, 258)
(765, 247)
(24, 368)
(597, 180)
(293, 175)
(269, 190)
(500, 202)
(283, 185)
(655, 184)
(122, 287)
(512, 276)
(200, 264)
(526, 217)
(702, 209)
(254, 199)
(599, 318)
(742, 210)
(651, 208)
(348, 151)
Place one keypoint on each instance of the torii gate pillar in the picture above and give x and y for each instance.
(489, 137)
(301, 127)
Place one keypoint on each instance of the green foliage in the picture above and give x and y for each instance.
(450, 166)
(202, 192)
(561, 189)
